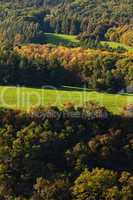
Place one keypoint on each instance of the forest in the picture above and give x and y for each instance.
(72, 151)
(26, 21)
(40, 65)
(103, 68)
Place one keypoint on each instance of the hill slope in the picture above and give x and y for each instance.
(91, 19)
(58, 39)
(25, 98)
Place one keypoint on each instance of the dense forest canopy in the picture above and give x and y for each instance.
(27, 22)
(39, 65)
(24, 22)
(89, 18)
(66, 158)
(74, 152)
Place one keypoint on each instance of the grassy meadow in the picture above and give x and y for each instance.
(115, 45)
(24, 98)
(57, 39)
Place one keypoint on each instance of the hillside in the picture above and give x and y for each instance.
(69, 40)
(67, 154)
(39, 65)
(25, 98)
(58, 39)
(66, 99)
(37, 3)
(97, 69)
(88, 19)
(116, 45)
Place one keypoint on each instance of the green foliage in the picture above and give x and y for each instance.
(123, 34)
(41, 157)
(97, 69)
(90, 19)
(21, 25)
(58, 39)
(74, 152)
(127, 38)
(39, 65)
(46, 190)
(103, 184)
(116, 45)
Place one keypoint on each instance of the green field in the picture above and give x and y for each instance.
(24, 98)
(57, 39)
(115, 45)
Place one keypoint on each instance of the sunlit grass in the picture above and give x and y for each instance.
(115, 45)
(58, 39)
(24, 98)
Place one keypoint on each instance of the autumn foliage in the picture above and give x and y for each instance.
(66, 158)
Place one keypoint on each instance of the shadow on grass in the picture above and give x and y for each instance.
(126, 94)
(68, 88)
(56, 39)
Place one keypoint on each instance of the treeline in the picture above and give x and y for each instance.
(29, 3)
(88, 19)
(123, 34)
(69, 154)
(22, 25)
(40, 65)
(37, 65)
